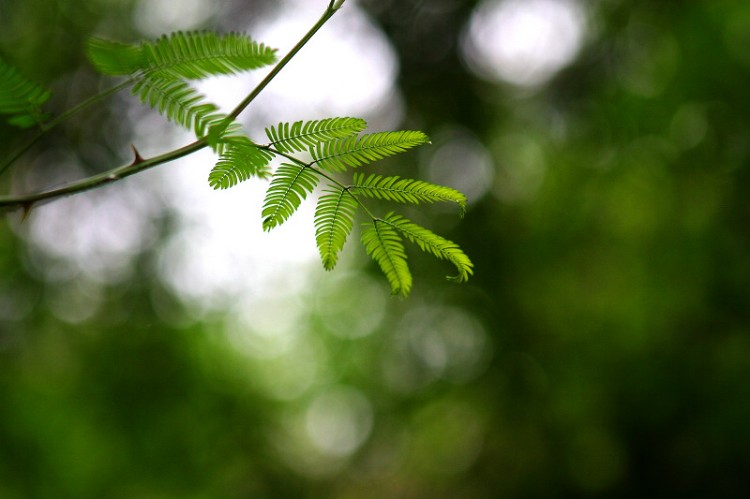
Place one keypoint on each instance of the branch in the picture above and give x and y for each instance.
(139, 164)
(329, 12)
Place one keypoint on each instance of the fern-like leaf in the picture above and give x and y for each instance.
(301, 136)
(196, 55)
(181, 55)
(114, 58)
(334, 219)
(434, 244)
(353, 151)
(21, 98)
(384, 245)
(405, 190)
(178, 102)
(240, 159)
(290, 185)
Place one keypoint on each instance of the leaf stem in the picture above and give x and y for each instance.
(94, 181)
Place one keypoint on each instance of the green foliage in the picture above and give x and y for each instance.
(353, 151)
(239, 160)
(180, 103)
(335, 145)
(301, 136)
(405, 190)
(290, 185)
(434, 244)
(115, 58)
(21, 98)
(384, 245)
(603, 351)
(334, 219)
(181, 55)
(160, 72)
(193, 56)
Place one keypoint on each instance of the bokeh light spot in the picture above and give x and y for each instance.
(338, 421)
(348, 69)
(447, 437)
(689, 126)
(521, 168)
(97, 234)
(155, 17)
(523, 42)
(434, 343)
(350, 305)
(461, 161)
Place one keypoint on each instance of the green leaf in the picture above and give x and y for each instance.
(114, 58)
(301, 136)
(179, 102)
(196, 55)
(181, 55)
(222, 133)
(21, 98)
(334, 219)
(290, 185)
(434, 244)
(352, 151)
(384, 245)
(405, 190)
(240, 159)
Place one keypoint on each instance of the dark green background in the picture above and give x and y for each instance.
(613, 302)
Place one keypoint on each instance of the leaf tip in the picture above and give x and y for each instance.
(462, 208)
(269, 223)
(26, 211)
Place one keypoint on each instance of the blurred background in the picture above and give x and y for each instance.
(155, 343)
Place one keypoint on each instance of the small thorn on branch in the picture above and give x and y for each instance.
(138, 158)
(26, 211)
